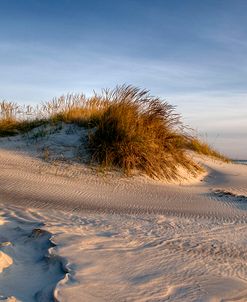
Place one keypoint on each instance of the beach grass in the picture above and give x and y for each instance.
(130, 129)
(139, 132)
(204, 148)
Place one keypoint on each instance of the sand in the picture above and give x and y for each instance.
(86, 236)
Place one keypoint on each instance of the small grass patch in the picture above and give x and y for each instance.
(204, 148)
(14, 119)
(75, 109)
(13, 127)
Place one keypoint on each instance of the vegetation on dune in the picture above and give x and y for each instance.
(140, 132)
(14, 119)
(131, 130)
(75, 108)
(204, 148)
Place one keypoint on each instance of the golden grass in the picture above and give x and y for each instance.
(72, 108)
(13, 127)
(139, 132)
(76, 109)
(204, 148)
(15, 119)
(131, 130)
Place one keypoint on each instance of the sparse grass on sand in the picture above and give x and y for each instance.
(11, 127)
(204, 148)
(131, 130)
(15, 119)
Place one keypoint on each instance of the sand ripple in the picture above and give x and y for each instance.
(123, 239)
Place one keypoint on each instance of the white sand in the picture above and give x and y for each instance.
(122, 239)
(5, 261)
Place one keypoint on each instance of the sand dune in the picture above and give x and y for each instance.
(28, 181)
(122, 239)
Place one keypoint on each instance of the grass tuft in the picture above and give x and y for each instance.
(204, 148)
(139, 132)
(76, 109)
(15, 119)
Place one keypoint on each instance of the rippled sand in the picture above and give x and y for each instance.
(124, 239)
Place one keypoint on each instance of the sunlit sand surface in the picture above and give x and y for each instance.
(70, 234)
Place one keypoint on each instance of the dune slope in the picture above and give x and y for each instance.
(133, 239)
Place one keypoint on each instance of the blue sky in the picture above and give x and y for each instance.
(190, 52)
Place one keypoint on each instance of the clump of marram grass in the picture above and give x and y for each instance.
(140, 132)
(14, 119)
(75, 108)
(14, 127)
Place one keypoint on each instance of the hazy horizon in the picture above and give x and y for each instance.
(191, 53)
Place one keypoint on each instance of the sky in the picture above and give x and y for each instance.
(191, 53)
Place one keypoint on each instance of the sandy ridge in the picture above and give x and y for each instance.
(28, 181)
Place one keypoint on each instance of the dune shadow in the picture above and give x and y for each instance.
(238, 201)
(35, 270)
